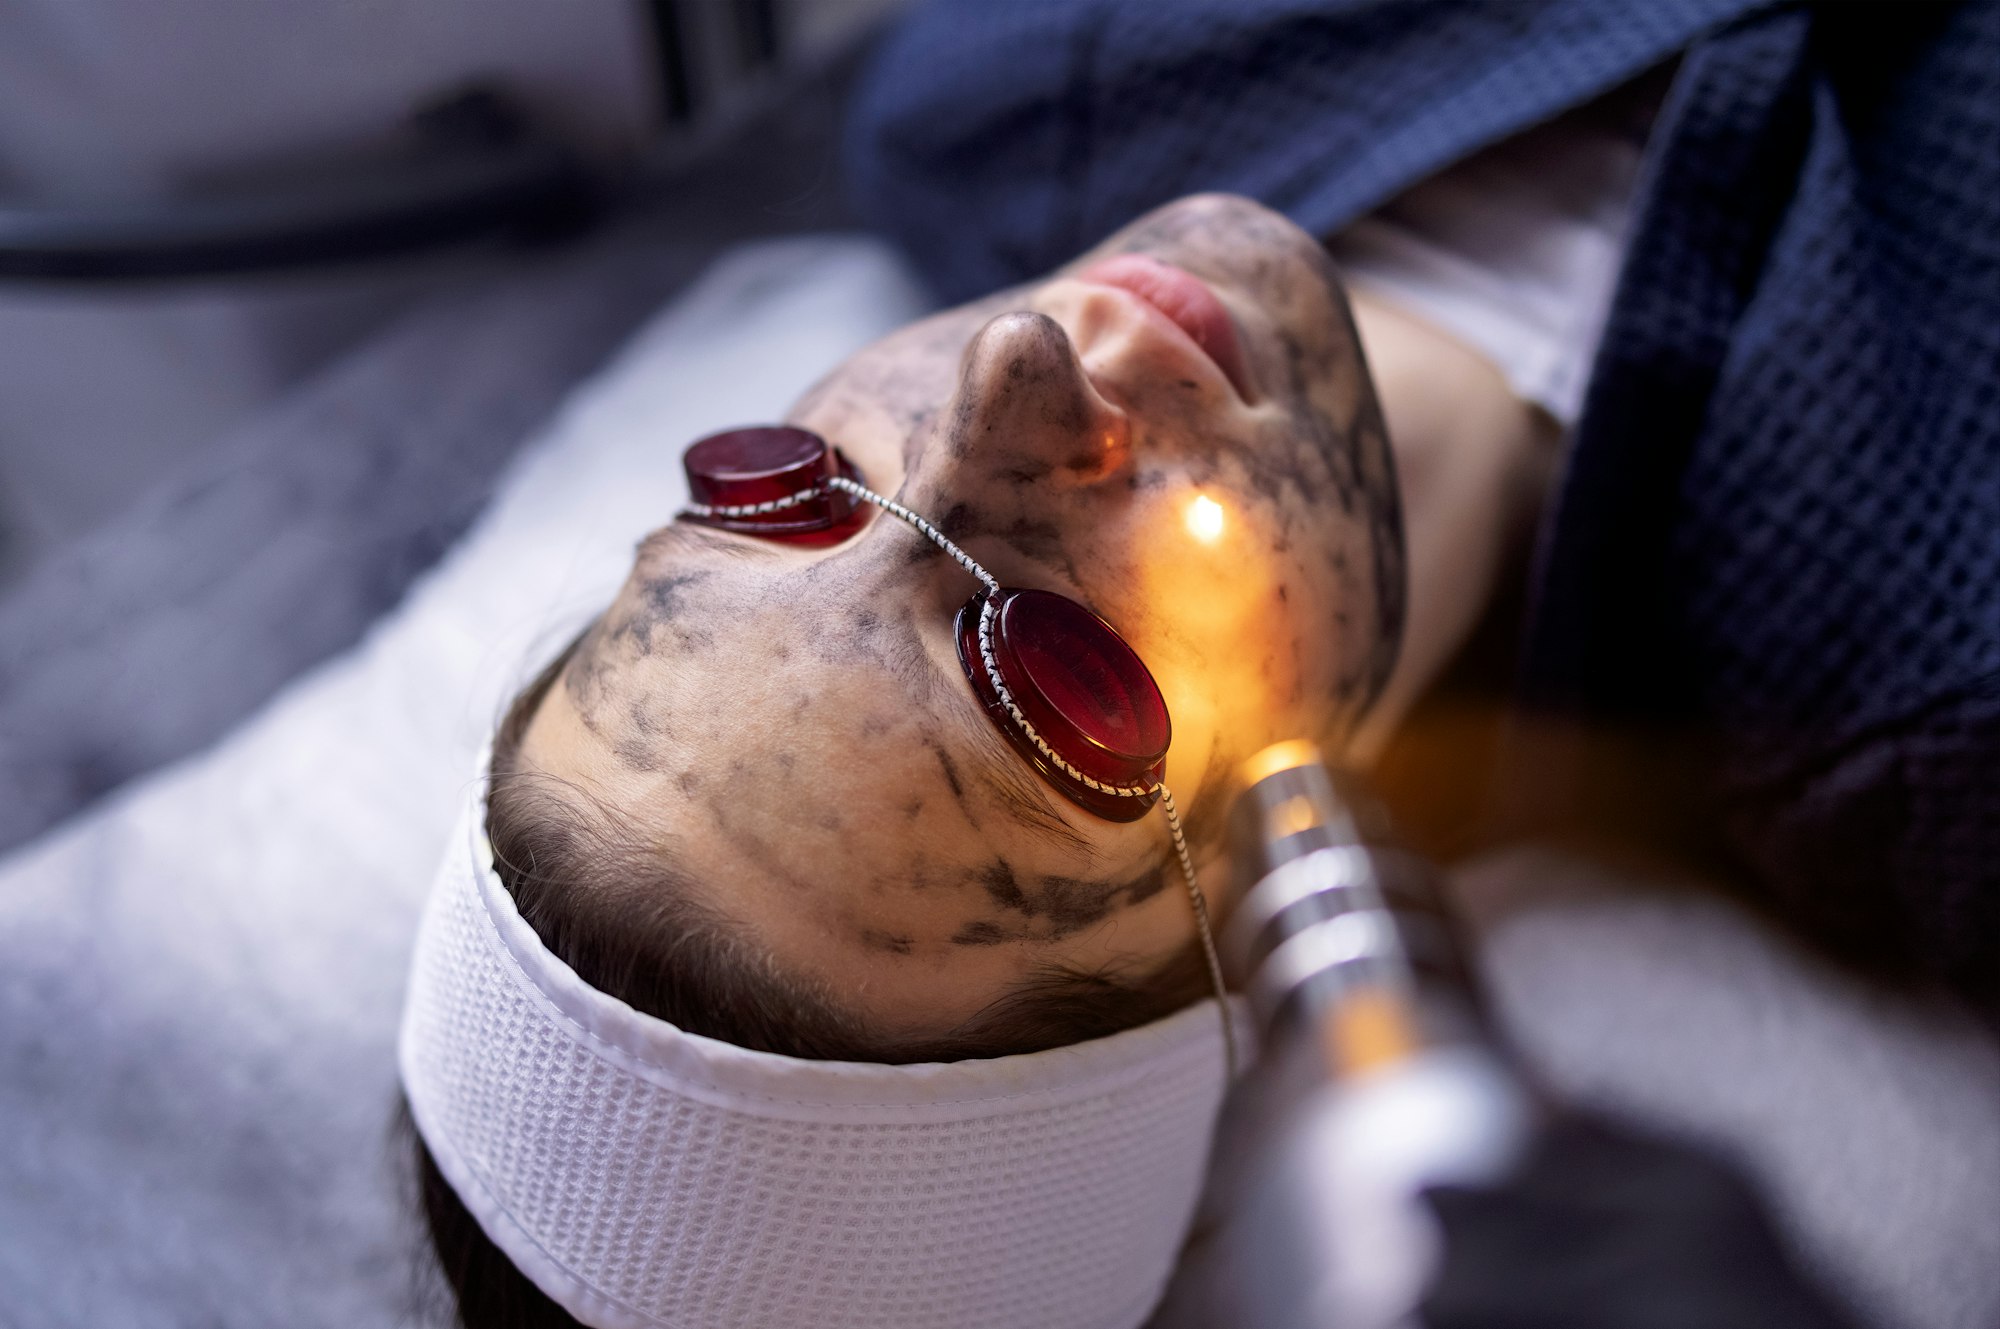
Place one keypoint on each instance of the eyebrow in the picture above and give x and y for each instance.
(1021, 791)
(679, 534)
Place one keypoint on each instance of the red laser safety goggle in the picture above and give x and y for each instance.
(1057, 680)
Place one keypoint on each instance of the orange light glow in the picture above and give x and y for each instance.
(1204, 519)
(1285, 756)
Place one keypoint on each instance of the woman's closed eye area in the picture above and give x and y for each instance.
(890, 702)
(1072, 697)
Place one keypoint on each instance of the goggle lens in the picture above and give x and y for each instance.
(769, 481)
(1086, 694)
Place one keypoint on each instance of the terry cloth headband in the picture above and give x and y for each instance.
(647, 1178)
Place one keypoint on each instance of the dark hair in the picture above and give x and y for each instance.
(640, 935)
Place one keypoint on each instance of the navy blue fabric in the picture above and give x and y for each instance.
(1780, 527)
(1781, 524)
(996, 140)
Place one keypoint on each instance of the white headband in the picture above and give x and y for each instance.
(646, 1178)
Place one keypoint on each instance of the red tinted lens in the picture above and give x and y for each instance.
(1084, 690)
(741, 468)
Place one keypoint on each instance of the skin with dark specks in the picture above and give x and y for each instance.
(792, 724)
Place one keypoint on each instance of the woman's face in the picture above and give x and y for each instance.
(792, 727)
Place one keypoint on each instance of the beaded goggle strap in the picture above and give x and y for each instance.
(1202, 928)
(753, 509)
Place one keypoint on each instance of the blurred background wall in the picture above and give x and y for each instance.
(283, 287)
(105, 386)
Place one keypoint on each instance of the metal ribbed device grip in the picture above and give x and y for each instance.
(1332, 923)
(1378, 1076)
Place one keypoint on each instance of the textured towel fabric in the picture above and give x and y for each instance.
(646, 1178)
(1780, 530)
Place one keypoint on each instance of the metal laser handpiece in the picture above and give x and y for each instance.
(1334, 927)
(1377, 1077)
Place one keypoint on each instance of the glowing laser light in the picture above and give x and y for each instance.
(1204, 519)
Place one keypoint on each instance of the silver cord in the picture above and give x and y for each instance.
(935, 536)
(1201, 927)
(752, 509)
(1201, 924)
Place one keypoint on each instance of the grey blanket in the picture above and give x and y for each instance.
(279, 544)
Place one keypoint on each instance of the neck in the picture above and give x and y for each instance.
(1474, 464)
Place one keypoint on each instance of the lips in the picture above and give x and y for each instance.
(1187, 302)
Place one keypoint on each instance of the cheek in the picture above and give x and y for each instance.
(1241, 614)
(1236, 604)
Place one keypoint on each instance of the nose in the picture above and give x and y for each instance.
(1026, 413)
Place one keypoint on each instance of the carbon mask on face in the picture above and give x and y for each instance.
(1060, 683)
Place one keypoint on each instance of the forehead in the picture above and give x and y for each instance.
(783, 665)
(786, 732)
